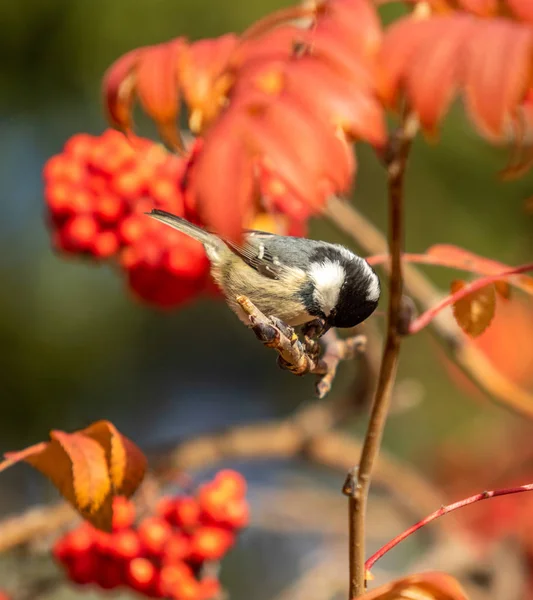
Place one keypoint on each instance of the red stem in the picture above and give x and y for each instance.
(426, 317)
(444, 510)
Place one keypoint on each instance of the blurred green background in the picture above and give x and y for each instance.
(75, 347)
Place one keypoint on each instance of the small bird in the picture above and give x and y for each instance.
(296, 280)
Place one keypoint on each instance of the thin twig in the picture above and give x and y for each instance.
(470, 263)
(444, 510)
(293, 355)
(399, 148)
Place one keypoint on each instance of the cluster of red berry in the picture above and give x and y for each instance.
(163, 556)
(97, 191)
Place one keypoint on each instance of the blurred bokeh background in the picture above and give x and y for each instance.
(76, 347)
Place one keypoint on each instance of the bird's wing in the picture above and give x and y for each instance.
(254, 252)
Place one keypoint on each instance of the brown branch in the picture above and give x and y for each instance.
(399, 147)
(294, 356)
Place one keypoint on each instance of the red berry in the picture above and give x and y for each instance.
(76, 543)
(186, 512)
(132, 228)
(105, 244)
(177, 548)
(212, 500)
(103, 543)
(108, 208)
(154, 533)
(58, 198)
(209, 588)
(110, 574)
(141, 574)
(172, 577)
(78, 233)
(126, 544)
(83, 570)
(129, 184)
(81, 201)
(232, 482)
(79, 145)
(64, 168)
(61, 550)
(123, 513)
(210, 543)
(236, 514)
(165, 508)
(187, 589)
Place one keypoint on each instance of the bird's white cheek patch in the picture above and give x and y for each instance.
(373, 291)
(328, 278)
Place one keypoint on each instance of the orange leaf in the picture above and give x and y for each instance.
(475, 311)
(118, 87)
(522, 8)
(497, 73)
(157, 88)
(487, 60)
(77, 467)
(503, 289)
(88, 468)
(349, 105)
(126, 463)
(221, 178)
(302, 148)
(356, 22)
(426, 586)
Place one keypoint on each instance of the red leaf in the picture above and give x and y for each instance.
(303, 151)
(497, 73)
(157, 87)
(274, 45)
(323, 42)
(221, 179)
(523, 9)
(433, 77)
(459, 258)
(348, 105)
(355, 22)
(487, 60)
(203, 79)
(118, 87)
(482, 8)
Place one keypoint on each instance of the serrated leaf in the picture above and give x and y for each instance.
(475, 311)
(503, 289)
(126, 463)
(421, 586)
(88, 468)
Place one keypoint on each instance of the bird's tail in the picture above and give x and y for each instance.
(206, 238)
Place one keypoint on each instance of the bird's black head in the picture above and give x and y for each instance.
(344, 289)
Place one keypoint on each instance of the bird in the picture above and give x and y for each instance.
(293, 279)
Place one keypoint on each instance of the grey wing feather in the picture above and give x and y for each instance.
(255, 254)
